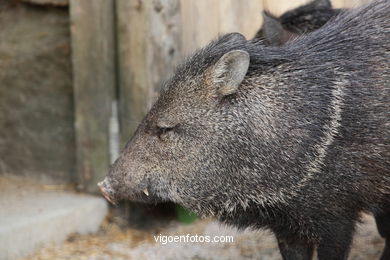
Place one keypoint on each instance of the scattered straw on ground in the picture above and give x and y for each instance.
(112, 242)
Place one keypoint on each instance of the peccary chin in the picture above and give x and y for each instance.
(298, 129)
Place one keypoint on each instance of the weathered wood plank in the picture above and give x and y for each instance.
(338, 3)
(149, 50)
(279, 7)
(204, 20)
(200, 23)
(93, 58)
(240, 16)
(355, 3)
(48, 2)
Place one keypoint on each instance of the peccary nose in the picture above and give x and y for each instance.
(107, 191)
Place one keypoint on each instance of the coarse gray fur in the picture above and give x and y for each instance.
(298, 142)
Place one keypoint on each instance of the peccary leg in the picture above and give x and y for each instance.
(295, 250)
(383, 224)
(336, 244)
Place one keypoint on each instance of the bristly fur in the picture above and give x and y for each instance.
(301, 148)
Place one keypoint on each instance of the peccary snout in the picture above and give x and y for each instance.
(107, 191)
(122, 183)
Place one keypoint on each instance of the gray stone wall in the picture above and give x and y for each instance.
(36, 97)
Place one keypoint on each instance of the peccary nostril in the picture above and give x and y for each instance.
(107, 191)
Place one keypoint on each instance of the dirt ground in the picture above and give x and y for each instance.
(112, 242)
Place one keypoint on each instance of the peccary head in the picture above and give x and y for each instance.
(303, 19)
(180, 150)
(172, 147)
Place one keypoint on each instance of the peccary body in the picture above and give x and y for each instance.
(303, 19)
(295, 138)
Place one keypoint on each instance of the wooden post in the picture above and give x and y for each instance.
(355, 3)
(281, 6)
(204, 20)
(93, 58)
(338, 3)
(149, 50)
(240, 16)
(200, 21)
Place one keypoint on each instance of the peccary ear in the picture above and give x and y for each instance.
(230, 70)
(234, 37)
(273, 30)
(321, 4)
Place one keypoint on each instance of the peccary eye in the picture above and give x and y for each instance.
(163, 132)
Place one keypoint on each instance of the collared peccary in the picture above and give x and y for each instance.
(303, 19)
(295, 138)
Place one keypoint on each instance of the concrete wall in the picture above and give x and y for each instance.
(36, 97)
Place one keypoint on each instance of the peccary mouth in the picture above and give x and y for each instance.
(144, 196)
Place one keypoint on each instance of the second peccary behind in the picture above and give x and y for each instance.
(295, 139)
(303, 19)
